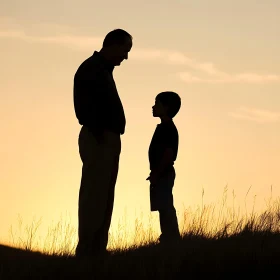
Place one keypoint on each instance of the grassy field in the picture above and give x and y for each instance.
(216, 243)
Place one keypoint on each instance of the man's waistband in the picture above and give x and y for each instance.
(96, 131)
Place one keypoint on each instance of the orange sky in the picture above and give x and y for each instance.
(222, 58)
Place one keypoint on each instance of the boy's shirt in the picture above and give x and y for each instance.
(165, 136)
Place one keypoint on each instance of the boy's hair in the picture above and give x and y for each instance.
(172, 100)
(117, 36)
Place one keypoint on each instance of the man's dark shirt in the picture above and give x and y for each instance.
(96, 100)
(165, 136)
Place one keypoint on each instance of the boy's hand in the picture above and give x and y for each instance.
(153, 178)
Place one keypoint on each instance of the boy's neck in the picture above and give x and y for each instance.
(165, 119)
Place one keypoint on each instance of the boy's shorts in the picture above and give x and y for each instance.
(161, 196)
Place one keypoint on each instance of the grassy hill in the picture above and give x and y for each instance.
(230, 247)
(245, 255)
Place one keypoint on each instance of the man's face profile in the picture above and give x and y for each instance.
(121, 51)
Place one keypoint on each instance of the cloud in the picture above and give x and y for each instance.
(12, 34)
(256, 115)
(82, 43)
(78, 42)
(146, 54)
(48, 33)
(206, 72)
(255, 78)
(250, 78)
(189, 78)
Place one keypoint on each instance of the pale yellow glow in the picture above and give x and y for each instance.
(222, 60)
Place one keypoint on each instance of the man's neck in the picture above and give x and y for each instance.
(104, 57)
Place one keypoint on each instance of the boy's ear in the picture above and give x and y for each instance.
(166, 107)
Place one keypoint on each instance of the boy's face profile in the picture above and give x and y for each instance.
(159, 110)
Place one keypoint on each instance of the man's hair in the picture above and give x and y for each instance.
(117, 36)
(171, 100)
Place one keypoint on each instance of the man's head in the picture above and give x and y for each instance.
(167, 104)
(116, 46)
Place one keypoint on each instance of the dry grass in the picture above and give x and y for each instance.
(216, 241)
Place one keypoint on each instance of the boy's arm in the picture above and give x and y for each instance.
(165, 161)
(170, 140)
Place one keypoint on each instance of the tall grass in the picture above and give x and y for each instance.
(210, 221)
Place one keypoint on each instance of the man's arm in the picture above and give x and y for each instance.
(90, 102)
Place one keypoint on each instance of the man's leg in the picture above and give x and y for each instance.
(103, 233)
(85, 218)
(98, 162)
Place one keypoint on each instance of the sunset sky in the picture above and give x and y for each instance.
(221, 56)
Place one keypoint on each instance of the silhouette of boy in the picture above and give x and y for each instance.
(162, 154)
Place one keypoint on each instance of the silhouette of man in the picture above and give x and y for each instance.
(99, 110)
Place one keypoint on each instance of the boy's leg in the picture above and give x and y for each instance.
(169, 224)
(167, 213)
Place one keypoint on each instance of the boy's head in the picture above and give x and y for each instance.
(167, 104)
